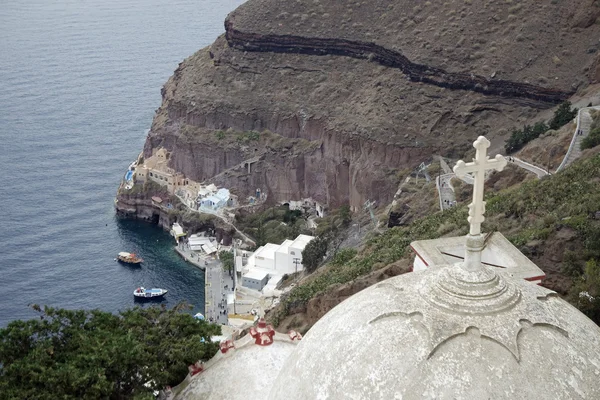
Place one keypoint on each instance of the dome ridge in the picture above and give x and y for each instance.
(527, 305)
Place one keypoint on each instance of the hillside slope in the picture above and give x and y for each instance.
(377, 87)
(555, 221)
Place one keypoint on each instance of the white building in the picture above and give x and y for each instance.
(205, 244)
(256, 279)
(213, 200)
(305, 204)
(276, 260)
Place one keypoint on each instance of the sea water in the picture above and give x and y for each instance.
(79, 83)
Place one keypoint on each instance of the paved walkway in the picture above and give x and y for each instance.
(584, 124)
(199, 260)
(539, 172)
(223, 218)
(445, 191)
(217, 283)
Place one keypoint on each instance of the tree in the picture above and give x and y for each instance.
(345, 214)
(77, 354)
(519, 138)
(313, 253)
(563, 115)
(261, 234)
(226, 258)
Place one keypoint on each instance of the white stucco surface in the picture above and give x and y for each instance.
(246, 372)
(420, 336)
(499, 252)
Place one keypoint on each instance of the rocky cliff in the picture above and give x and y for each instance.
(344, 94)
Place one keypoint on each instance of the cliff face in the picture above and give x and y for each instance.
(346, 94)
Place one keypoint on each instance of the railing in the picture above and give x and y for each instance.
(437, 185)
(574, 140)
(540, 170)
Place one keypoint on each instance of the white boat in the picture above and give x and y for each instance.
(129, 258)
(144, 293)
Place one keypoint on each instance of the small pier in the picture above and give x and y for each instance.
(218, 284)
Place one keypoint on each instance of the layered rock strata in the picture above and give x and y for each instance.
(348, 96)
(248, 41)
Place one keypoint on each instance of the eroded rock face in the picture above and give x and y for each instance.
(352, 93)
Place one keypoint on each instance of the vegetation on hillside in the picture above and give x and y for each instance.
(593, 139)
(273, 225)
(520, 137)
(67, 354)
(314, 253)
(531, 212)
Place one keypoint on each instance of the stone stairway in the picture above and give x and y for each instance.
(236, 167)
(584, 124)
(446, 191)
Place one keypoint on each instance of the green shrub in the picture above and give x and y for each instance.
(313, 253)
(563, 115)
(591, 140)
(520, 137)
(80, 354)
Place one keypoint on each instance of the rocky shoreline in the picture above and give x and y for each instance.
(141, 206)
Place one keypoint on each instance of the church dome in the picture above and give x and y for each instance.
(241, 370)
(447, 333)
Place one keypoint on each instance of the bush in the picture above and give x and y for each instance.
(571, 264)
(520, 138)
(313, 253)
(77, 354)
(220, 135)
(345, 215)
(591, 140)
(586, 291)
(563, 115)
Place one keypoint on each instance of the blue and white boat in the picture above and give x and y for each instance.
(144, 293)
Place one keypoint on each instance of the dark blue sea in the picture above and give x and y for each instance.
(79, 83)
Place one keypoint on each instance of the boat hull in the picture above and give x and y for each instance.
(149, 294)
(137, 262)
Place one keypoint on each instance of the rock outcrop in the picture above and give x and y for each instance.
(346, 94)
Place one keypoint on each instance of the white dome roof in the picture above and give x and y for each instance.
(437, 335)
(242, 370)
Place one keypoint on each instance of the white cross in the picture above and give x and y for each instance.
(480, 164)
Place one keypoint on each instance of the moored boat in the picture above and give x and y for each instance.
(129, 258)
(144, 293)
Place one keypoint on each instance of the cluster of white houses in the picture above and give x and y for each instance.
(269, 263)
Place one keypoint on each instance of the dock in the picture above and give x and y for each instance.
(217, 283)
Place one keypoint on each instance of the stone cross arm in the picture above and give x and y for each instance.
(480, 164)
(462, 168)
